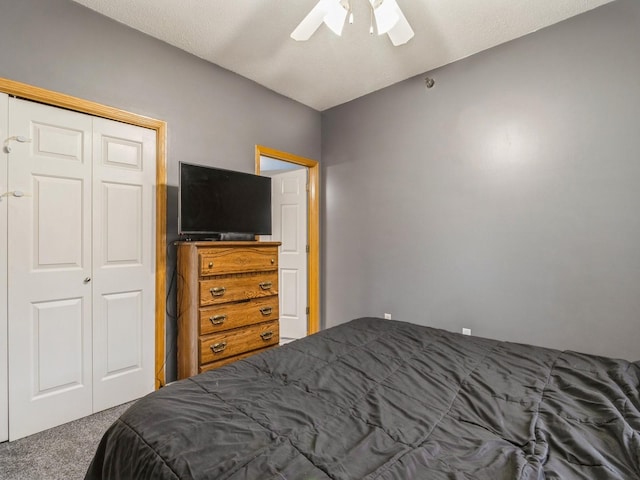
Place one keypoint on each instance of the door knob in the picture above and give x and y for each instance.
(87, 279)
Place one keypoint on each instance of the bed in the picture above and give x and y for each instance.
(380, 399)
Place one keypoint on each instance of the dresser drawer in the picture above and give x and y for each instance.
(223, 261)
(230, 289)
(228, 360)
(240, 340)
(234, 315)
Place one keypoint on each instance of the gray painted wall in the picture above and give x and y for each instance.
(505, 199)
(214, 116)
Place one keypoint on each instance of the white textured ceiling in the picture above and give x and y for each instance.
(251, 38)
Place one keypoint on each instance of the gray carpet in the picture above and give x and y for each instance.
(61, 453)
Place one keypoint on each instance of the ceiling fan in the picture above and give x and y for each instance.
(389, 19)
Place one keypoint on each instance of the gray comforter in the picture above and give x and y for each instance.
(380, 399)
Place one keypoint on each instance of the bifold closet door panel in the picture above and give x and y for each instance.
(49, 267)
(4, 376)
(124, 175)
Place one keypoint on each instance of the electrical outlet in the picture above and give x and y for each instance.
(387, 316)
(466, 331)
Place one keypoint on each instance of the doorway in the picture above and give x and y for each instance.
(80, 281)
(69, 102)
(28, 92)
(298, 180)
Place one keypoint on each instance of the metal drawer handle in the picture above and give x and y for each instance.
(266, 311)
(218, 347)
(266, 336)
(266, 285)
(218, 319)
(217, 291)
(210, 264)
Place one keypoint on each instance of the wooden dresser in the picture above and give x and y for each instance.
(227, 302)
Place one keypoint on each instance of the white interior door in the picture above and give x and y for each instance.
(289, 204)
(49, 260)
(4, 387)
(123, 262)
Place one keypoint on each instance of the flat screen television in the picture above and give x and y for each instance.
(218, 204)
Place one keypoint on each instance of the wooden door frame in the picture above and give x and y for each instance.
(313, 227)
(49, 97)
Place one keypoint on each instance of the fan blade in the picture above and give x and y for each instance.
(336, 16)
(386, 15)
(311, 22)
(401, 32)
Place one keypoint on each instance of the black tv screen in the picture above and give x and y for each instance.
(214, 201)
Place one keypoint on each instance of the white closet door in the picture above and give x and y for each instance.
(49, 248)
(289, 205)
(4, 388)
(123, 262)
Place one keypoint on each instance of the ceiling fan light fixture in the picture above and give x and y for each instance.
(333, 13)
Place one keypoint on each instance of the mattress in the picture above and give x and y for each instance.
(382, 399)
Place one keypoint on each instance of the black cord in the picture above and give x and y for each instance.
(170, 315)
